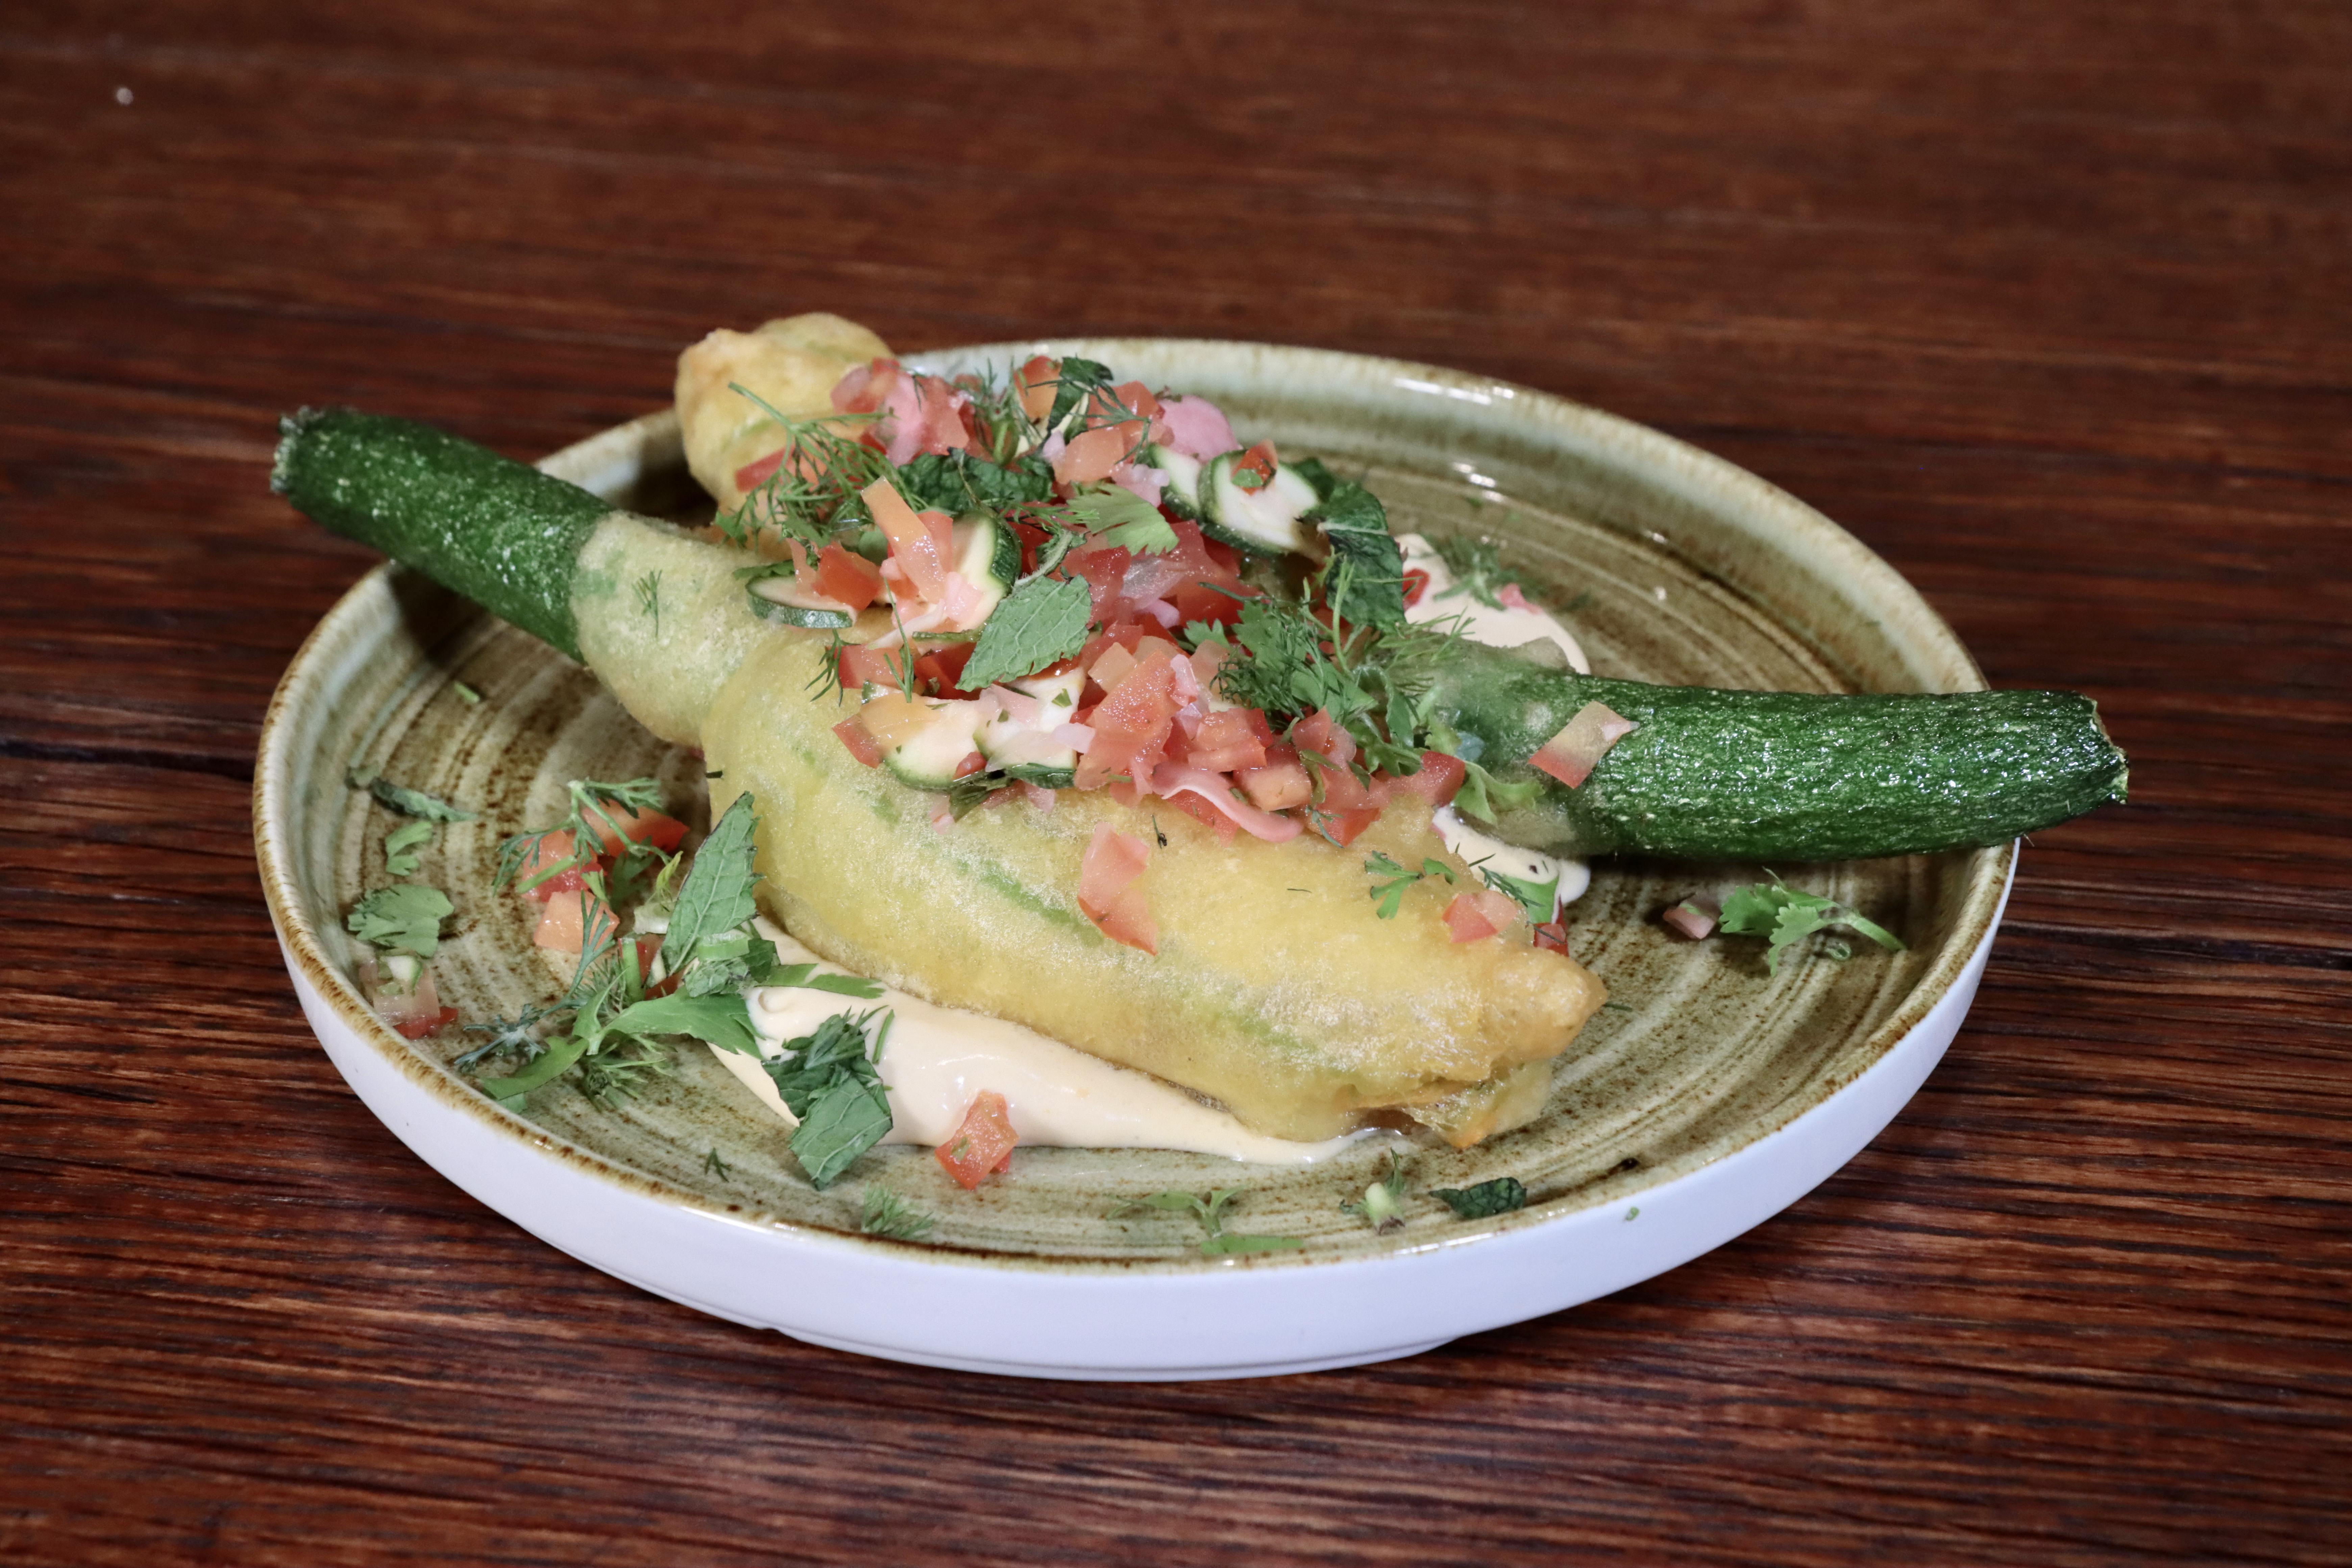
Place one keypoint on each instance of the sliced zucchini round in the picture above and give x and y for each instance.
(988, 553)
(928, 758)
(1182, 494)
(784, 601)
(1264, 521)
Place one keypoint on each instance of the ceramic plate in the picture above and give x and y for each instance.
(1708, 1096)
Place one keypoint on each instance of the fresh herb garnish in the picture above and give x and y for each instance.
(1076, 378)
(1365, 581)
(1501, 1195)
(465, 693)
(1482, 794)
(648, 591)
(1391, 879)
(1478, 569)
(1042, 623)
(959, 482)
(400, 846)
(1383, 1204)
(1121, 517)
(1785, 916)
(889, 1215)
(1210, 1211)
(813, 491)
(711, 1162)
(828, 1080)
(404, 919)
(408, 802)
(594, 802)
(717, 895)
(1538, 899)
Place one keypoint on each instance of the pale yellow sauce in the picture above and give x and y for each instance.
(936, 1058)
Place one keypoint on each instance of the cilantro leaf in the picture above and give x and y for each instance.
(716, 894)
(1043, 622)
(1483, 794)
(1395, 879)
(407, 802)
(1785, 916)
(1540, 899)
(406, 918)
(401, 844)
(1501, 1195)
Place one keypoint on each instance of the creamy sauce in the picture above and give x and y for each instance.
(936, 1058)
(1481, 623)
(1479, 849)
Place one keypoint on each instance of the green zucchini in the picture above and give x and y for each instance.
(1774, 777)
(1266, 521)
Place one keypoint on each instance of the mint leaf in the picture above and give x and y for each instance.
(724, 1021)
(956, 482)
(716, 894)
(1365, 581)
(407, 802)
(1785, 916)
(1043, 623)
(406, 919)
(846, 1121)
(1501, 1195)
(1078, 377)
(1122, 518)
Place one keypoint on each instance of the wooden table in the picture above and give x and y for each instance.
(2052, 305)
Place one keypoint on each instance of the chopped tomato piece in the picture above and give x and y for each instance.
(1552, 937)
(1254, 469)
(1477, 915)
(1416, 584)
(1572, 754)
(751, 475)
(983, 1145)
(918, 542)
(1318, 731)
(552, 850)
(1037, 382)
(1109, 893)
(1439, 778)
(571, 917)
(1192, 805)
(1131, 724)
(861, 745)
(1278, 785)
(663, 832)
(1342, 790)
(943, 666)
(1225, 742)
(1345, 827)
(972, 762)
(891, 718)
(1091, 456)
(847, 578)
(862, 666)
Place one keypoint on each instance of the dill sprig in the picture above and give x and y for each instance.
(813, 493)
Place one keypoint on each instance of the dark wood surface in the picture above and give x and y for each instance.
(2051, 304)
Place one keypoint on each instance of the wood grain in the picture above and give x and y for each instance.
(2049, 304)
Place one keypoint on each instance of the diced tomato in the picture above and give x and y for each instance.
(1131, 723)
(552, 850)
(1104, 567)
(416, 1028)
(1320, 732)
(1474, 916)
(1037, 382)
(751, 475)
(663, 832)
(942, 667)
(1225, 742)
(1439, 778)
(1131, 398)
(1342, 790)
(983, 1145)
(1091, 455)
(891, 717)
(1281, 783)
(847, 578)
(861, 745)
(1109, 893)
(1192, 805)
(1254, 469)
(568, 918)
(1416, 584)
(1572, 754)
(862, 666)
(1345, 827)
(918, 542)
(1552, 937)
(972, 762)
